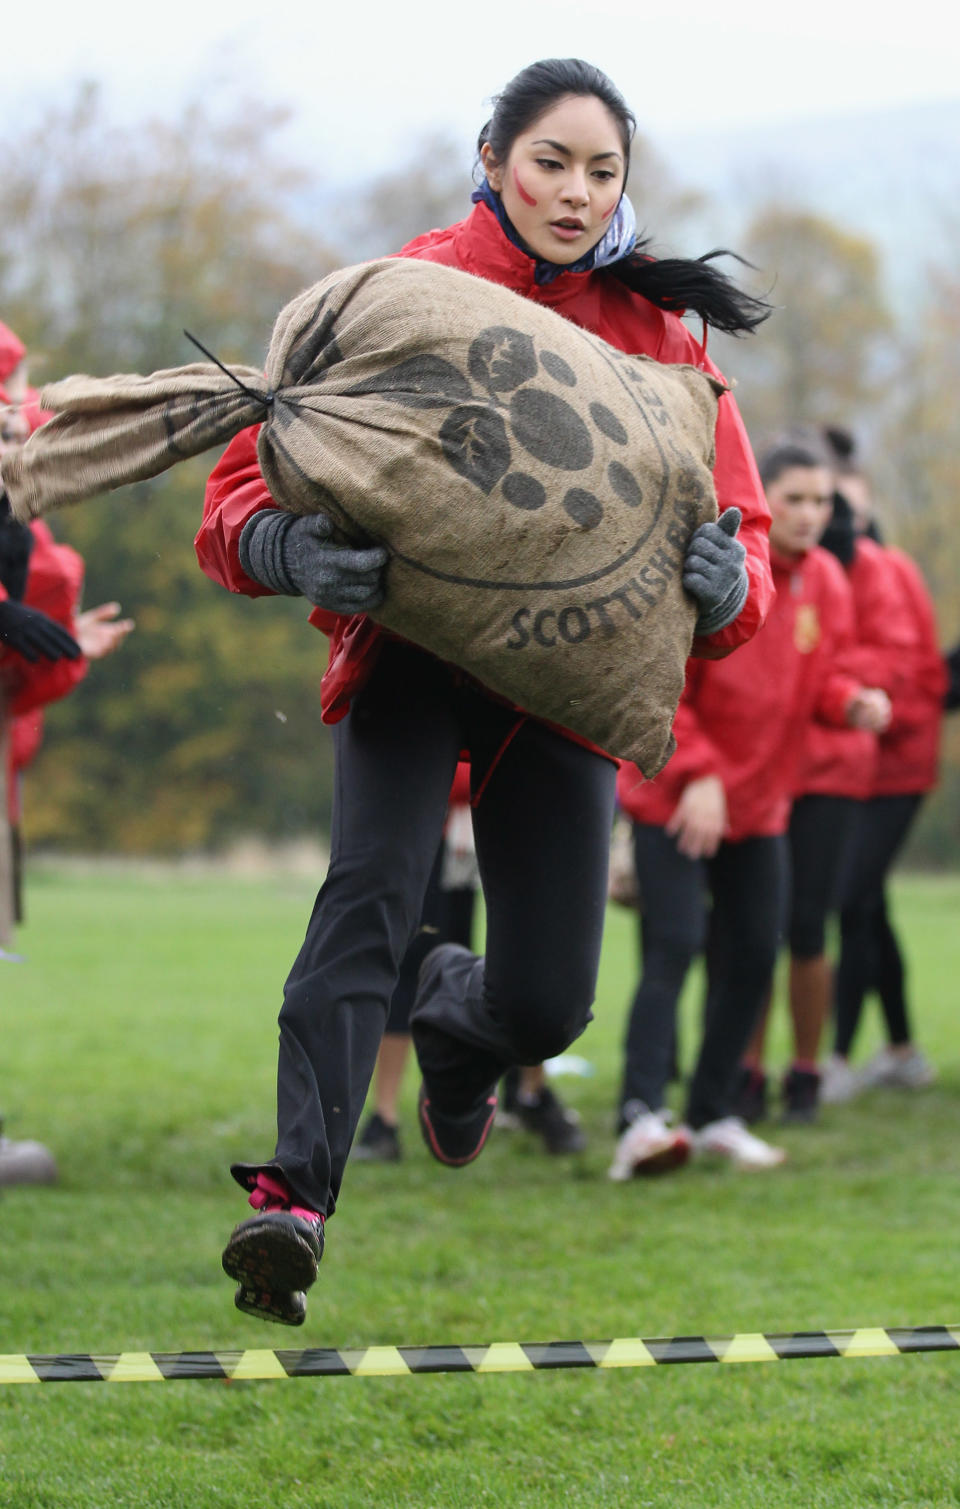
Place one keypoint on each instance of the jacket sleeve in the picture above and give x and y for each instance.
(738, 485)
(235, 491)
(886, 635)
(839, 682)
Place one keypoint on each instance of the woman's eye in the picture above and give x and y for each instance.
(548, 162)
(604, 174)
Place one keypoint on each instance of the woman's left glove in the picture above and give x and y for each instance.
(714, 572)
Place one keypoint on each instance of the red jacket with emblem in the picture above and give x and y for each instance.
(742, 718)
(908, 753)
(596, 301)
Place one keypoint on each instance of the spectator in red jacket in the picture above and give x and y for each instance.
(834, 781)
(871, 959)
(714, 823)
(45, 646)
(552, 223)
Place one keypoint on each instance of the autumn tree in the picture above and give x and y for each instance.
(824, 350)
(207, 722)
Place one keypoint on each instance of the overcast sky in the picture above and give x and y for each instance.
(365, 76)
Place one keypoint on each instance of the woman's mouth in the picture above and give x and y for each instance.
(567, 229)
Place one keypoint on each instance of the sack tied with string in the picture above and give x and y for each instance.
(535, 488)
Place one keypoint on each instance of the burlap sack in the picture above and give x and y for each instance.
(536, 488)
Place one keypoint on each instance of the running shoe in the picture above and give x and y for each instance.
(379, 1142)
(801, 1096)
(838, 1082)
(891, 1070)
(648, 1145)
(548, 1118)
(273, 1255)
(729, 1139)
(456, 1140)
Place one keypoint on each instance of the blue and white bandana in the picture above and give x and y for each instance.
(618, 239)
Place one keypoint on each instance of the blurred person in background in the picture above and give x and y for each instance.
(835, 778)
(871, 959)
(46, 644)
(713, 825)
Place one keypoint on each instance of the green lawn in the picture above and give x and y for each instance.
(138, 1041)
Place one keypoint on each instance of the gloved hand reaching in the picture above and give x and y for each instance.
(297, 557)
(714, 572)
(33, 635)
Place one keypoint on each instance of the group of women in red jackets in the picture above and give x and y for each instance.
(801, 763)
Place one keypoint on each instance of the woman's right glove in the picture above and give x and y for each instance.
(33, 635)
(295, 556)
(715, 572)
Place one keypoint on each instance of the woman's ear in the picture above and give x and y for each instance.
(491, 167)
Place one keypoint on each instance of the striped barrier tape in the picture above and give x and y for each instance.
(500, 1357)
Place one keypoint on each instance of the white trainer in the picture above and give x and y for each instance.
(649, 1146)
(889, 1069)
(838, 1082)
(731, 1140)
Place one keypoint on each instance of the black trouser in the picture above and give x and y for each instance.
(821, 832)
(542, 829)
(747, 886)
(447, 917)
(870, 957)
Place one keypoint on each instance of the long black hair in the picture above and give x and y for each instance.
(677, 284)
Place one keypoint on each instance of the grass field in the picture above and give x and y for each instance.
(138, 1041)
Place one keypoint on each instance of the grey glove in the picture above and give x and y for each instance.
(295, 556)
(715, 574)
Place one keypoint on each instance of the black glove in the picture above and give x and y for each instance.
(35, 636)
(16, 543)
(295, 556)
(714, 572)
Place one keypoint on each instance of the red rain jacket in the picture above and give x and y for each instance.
(54, 581)
(742, 718)
(595, 301)
(843, 761)
(908, 753)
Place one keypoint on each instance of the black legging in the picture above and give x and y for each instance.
(447, 917)
(542, 829)
(747, 886)
(870, 957)
(820, 835)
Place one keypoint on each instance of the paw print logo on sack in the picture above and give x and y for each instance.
(485, 437)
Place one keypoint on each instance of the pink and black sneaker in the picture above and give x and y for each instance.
(274, 1255)
(455, 1140)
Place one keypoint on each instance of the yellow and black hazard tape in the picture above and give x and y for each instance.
(498, 1357)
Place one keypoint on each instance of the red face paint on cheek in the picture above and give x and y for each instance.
(607, 213)
(527, 198)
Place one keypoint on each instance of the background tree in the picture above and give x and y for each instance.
(823, 352)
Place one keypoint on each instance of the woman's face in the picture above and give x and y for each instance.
(801, 503)
(563, 178)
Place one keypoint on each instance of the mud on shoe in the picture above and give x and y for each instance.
(456, 1139)
(648, 1145)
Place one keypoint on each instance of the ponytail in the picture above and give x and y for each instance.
(679, 284)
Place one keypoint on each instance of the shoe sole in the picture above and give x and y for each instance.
(290, 1309)
(268, 1257)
